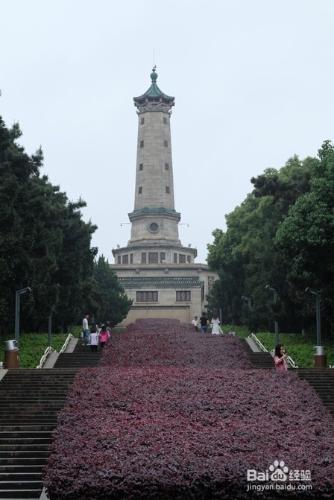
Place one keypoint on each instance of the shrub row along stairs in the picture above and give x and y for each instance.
(30, 400)
(322, 380)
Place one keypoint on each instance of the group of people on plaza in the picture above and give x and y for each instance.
(203, 324)
(95, 335)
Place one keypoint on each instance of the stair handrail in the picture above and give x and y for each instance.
(47, 352)
(258, 342)
(289, 359)
(67, 340)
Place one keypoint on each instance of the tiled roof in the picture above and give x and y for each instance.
(161, 282)
(154, 93)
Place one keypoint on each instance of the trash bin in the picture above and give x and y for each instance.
(320, 359)
(12, 359)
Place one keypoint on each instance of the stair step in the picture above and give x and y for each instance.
(29, 440)
(24, 454)
(25, 434)
(20, 461)
(25, 447)
(19, 476)
(21, 484)
(32, 493)
(21, 468)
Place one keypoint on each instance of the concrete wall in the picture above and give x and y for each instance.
(167, 305)
(181, 313)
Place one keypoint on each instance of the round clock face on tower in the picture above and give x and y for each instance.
(153, 227)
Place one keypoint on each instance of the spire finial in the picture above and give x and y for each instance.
(154, 74)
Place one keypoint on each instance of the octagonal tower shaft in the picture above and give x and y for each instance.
(154, 171)
(154, 218)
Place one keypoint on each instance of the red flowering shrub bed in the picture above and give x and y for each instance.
(167, 342)
(168, 432)
(140, 428)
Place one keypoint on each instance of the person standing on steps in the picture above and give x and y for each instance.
(93, 339)
(280, 361)
(204, 323)
(215, 326)
(103, 336)
(85, 329)
(194, 322)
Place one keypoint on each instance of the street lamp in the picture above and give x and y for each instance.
(268, 287)
(317, 294)
(18, 294)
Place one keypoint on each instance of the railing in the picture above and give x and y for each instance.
(47, 352)
(50, 349)
(290, 361)
(258, 342)
(67, 340)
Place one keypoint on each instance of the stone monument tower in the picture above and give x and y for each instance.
(157, 272)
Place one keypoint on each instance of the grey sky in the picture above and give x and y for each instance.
(253, 83)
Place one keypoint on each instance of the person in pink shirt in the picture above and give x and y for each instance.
(103, 336)
(280, 356)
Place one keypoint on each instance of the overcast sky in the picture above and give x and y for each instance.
(252, 80)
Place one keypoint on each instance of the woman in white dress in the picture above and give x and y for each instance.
(215, 326)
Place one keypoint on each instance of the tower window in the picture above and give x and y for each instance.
(125, 259)
(142, 120)
(141, 166)
(183, 296)
(166, 166)
(131, 258)
(182, 258)
(143, 258)
(147, 296)
(166, 143)
(153, 257)
(162, 256)
(167, 189)
(188, 259)
(175, 258)
(141, 144)
(140, 190)
(165, 120)
(119, 260)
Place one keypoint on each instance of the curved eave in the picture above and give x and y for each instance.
(154, 94)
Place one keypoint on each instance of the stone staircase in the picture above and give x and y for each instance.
(259, 359)
(81, 357)
(29, 402)
(322, 380)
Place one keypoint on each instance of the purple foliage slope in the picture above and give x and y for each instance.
(161, 431)
(173, 344)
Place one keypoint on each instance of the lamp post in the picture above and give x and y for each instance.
(268, 287)
(18, 294)
(319, 347)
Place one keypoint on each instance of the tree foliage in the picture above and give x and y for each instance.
(282, 236)
(44, 243)
(109, 301)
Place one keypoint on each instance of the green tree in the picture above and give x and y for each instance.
(109, 301)
(306, 238)
(44, 243)
(246, 256)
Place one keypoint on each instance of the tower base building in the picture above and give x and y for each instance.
(156, 271)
